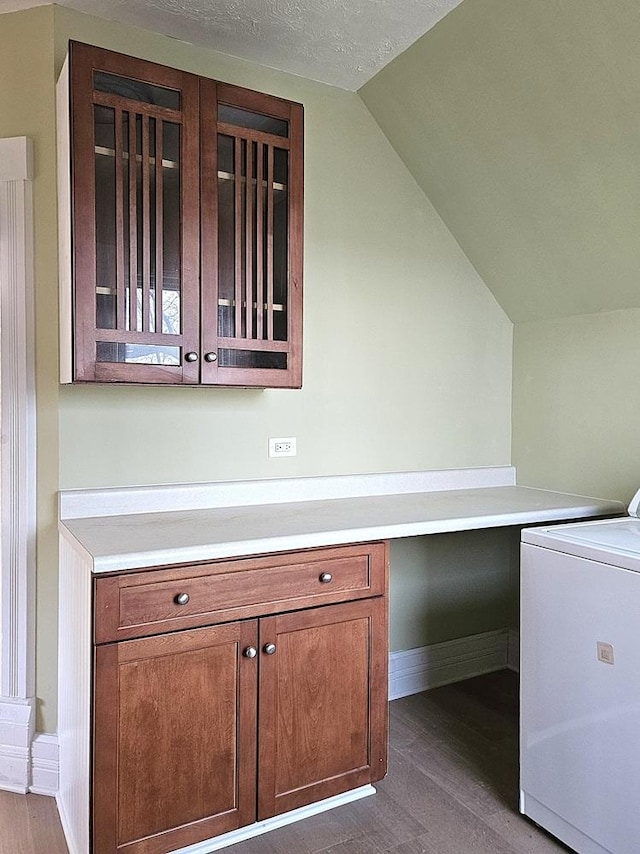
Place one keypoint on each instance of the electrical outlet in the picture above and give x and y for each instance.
(605, 652)
(282, 447)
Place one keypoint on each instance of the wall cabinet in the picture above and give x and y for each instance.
(231, 692)
(186, 227)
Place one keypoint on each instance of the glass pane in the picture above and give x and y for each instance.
(105, 218)
(106, 310)
(152, 227)
(139, 223)
(226, 239)
(170, 311)
(225, 154)
(171, 231)
(279, 325)
(125, 204)
(281, 166)
(253, 232)
(145, 354)
(136, 90)
(171, 142)
(104, 127)
(280, 243)
(255, 121)
(251, 359)
(262, 298)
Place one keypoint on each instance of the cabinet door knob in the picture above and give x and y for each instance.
(269, 648)
(191, 357)
(182, 598)
(326, 578)
(210, 357)
(250, 652)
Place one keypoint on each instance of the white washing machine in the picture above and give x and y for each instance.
(580, 682)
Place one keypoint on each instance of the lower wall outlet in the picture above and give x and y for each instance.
(282, 447)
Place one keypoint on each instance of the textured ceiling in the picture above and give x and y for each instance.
(340, 42)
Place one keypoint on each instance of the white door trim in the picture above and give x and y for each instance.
(17, 465)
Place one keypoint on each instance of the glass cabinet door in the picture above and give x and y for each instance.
(135, 209)
(251, 237)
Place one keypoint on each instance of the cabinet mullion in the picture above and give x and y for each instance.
(259, 242)
(120, 239)
(269, 248)
(249, 214)
(237, 145)
(159, 294)
(146, 226)
(133, 225)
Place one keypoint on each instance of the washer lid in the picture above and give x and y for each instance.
(612, 541)
(621, 534)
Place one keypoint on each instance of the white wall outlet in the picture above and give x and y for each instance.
(605, 652)
(282, 447)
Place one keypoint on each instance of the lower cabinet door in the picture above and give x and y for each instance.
(323, 703)
(174, 739)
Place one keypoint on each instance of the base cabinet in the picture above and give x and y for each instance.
(200, 731)
(174, 739)
(323, 704)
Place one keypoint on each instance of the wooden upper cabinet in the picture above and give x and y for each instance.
(251, 186)
(135, 220)
(186, 228)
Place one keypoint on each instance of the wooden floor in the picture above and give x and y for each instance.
(452, 788)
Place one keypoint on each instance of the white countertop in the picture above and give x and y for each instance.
(144, 539)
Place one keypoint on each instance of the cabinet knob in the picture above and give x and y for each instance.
(210, 357)
(191, 357)
(326, 578)
(269, 648)
(182, 598)
(250, 652)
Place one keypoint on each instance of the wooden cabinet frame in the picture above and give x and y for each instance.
(86, 60)
(288, 708)
(310, 676)
(260, 351)
(211, 95)
(119, 703)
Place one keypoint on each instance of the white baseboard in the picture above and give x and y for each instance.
(415, 670)
(17, 725)
(45, 762)
(28, 761)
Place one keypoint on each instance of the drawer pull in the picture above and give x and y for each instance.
(250, 652)
(326, 578)
(269, 648)
(182, 598)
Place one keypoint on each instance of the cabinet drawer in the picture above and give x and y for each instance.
(134, 604)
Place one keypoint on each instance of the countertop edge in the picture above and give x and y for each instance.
(254, 545)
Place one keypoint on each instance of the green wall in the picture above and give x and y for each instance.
(407, 355)
(27, 108)
(447, 586)
(407, 358)
(576, 403)
(520, 122)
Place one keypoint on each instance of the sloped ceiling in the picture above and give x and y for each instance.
(520, 120)
(340, 42)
